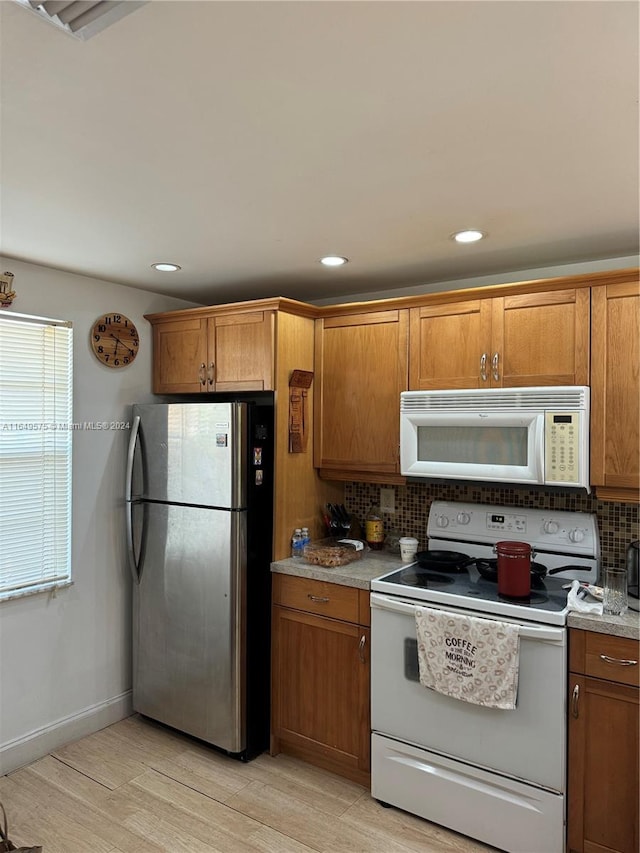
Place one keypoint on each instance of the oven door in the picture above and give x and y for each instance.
(527, 743)
(494, 446)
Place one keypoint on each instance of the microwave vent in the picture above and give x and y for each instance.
(564, 397)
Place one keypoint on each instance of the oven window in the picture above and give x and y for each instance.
(411, 665)
(476, 445)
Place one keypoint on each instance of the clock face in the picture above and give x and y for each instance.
(114, 340)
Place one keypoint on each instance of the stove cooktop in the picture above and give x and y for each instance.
(468, 591)
(547, 594)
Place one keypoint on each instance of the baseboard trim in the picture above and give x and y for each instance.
(41, 742)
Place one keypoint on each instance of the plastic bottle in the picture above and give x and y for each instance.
(373, 529)
(296, 543)
(305, 537)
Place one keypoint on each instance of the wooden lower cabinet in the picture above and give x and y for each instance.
(604, 719)
(320, 675)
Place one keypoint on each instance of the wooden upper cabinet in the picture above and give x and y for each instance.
(241, 352)
(361, 368)
(615, 390)
(449, 345)
(528, 339)
(541, 339)
(179, 356)
(200, 354)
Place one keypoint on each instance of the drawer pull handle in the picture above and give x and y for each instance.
(318, 599)
(201, 374)
(361, 645)
(574, 700)
(618, 661)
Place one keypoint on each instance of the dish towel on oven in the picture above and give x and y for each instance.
(475, 660)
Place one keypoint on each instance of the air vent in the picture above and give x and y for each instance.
(496, 399)
(82, 18)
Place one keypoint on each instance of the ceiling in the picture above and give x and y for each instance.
(244, 140)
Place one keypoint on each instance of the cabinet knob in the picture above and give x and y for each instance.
(202, 374)
(210, 373)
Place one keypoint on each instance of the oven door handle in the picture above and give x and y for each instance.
(526, 632)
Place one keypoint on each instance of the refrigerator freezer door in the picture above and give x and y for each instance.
(188, 624)
(191, 453)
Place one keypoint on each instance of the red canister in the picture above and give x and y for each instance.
(514, 569)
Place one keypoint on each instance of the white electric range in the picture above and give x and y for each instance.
(495, 775)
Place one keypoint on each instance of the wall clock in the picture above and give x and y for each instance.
(114, 340)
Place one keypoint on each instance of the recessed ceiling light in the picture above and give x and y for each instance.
(469, 236)
(166, 267)
(334, 261)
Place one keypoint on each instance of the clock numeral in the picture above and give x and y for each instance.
(117, 361)
(117, 318)
(106, 358)
(100, 349)
(135, 343)
(102, 328)
(107, 320)
(132, 331)
(126, 360)
(96, 337)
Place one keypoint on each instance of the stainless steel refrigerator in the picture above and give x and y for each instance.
(199, 531)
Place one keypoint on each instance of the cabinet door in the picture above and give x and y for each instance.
(240, 352)
(321, 691)
(540, 339)
(615, 389)
(449, 345)
(179, 356)
(603, 766)
(361, 368)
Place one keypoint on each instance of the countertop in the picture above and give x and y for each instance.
(618, 626)
(360, 574)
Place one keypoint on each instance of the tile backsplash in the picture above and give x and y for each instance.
(618, 523)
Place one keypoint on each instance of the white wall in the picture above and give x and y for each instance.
(65, 659)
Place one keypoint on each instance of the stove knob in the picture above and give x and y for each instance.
(551, 527)
(463, 518)
(442, 521)
(576, 535)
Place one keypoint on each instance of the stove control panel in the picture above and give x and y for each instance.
(548, 530)
(506, 522)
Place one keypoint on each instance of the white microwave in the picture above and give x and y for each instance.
(499, 435)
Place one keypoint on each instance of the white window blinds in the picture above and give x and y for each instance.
(35, 453)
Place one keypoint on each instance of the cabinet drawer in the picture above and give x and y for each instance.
(603, 656)
(325, 599)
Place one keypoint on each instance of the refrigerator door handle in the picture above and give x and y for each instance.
(130, 500)
(131, 452)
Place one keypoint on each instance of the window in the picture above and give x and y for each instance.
(35, 453)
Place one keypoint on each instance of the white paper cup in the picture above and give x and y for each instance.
(408, 549)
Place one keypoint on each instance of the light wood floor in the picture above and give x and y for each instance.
(137, 787)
